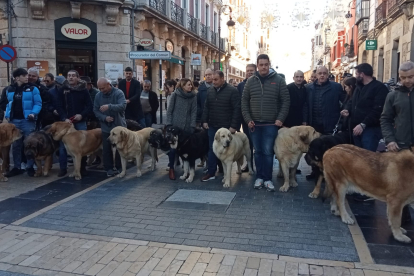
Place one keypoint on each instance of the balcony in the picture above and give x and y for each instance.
(159, 5)
(192, 23)
(361, 11)
(213, 38)
(204, 31)
(363, 30)
(381, 15)
(393, 9)
(177, 13)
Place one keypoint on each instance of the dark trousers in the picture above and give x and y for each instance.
(247, 132)
(108, 159)
(369, 139)
(212, 158)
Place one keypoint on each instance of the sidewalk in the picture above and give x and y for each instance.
(152, 226)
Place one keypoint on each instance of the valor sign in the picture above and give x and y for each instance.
(76, 31)
(145, 42)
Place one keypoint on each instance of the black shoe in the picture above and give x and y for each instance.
(14, 172)
(311, 176)
(62, 173)
(30, 172)
(298, 171)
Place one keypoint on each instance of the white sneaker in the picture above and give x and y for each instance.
(258, 184)
(269, 186)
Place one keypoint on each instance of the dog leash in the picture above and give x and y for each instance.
(337, 126)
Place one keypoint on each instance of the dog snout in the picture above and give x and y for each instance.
(227, 143)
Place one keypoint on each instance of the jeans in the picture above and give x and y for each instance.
(108, 159)
(148, 119)
(369, 138)
(212, 158)
(171, 158)
(246, 131)
(142, 123)
(263, 138)
(27, 127)
(63, 155)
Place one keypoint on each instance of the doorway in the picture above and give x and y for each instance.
(71, 57)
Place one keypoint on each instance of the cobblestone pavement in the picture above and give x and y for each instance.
(256, 220)
(30, 251)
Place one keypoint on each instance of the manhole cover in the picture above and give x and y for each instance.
(200, 200)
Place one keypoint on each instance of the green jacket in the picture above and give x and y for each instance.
(265, 102)
(397, 118)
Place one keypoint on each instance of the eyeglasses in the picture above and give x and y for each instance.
(46, 81)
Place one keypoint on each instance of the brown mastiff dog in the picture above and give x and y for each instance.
(8, 134)
(388, 177)
(41, 146)
(78, 143)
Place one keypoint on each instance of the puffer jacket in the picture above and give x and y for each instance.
(182, 110)
(397, 118)
(265, 102)
(222, 107)
(74, 100)
(31, 100)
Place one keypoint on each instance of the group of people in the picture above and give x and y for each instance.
(32, 105)
(259, 106)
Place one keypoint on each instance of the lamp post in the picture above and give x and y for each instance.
(230, 24)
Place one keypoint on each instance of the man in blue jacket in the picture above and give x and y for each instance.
(22, 103)
(74, 104)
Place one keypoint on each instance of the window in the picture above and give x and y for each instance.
(197, 8)
(215, 22)
(207, 15)
(184, 4)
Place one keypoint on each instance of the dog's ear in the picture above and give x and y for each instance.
(230, 136)
(304, 136)
(217, 136)
(123, 135)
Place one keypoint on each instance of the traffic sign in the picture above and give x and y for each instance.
(150, 55)
(7, 53)
(371, 44)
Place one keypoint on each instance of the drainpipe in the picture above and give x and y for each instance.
(133, 33)
(9, 19)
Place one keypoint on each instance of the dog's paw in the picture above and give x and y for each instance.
(223, 180)
(284, 188)
(78, 177)
(45, 173)
(402, 238)
(226, 185)
(313, 195)
(72, 175)
(4, 179)
(347, 219)
(122, 174)
(38, 174)
(183, 177)
(403, 230)
(189, 180)
(251, 172)
(293, 184)
(139, 174)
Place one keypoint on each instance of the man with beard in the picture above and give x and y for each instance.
(46, 114)
(22, 103)
(73, 105)
(365, 108)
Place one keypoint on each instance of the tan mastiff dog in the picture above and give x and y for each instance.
(78, 143)
(8, 134)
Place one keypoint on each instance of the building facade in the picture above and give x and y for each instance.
(95, 37)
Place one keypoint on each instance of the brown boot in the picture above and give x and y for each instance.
(171, 174)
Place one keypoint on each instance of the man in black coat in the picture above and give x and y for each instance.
(149, 103)
(365, 108)
(132, 92)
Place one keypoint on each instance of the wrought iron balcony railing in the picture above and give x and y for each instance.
(203, 31)
(381, 14)
(177, 13)
(213, 38)
(159, 5)
(192, 23)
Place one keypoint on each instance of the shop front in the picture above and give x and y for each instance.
(76, 47)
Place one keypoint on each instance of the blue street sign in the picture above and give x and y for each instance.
(7, 53)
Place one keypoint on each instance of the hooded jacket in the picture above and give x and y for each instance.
(222, 107)
(182, 110)
(265, 99)
(397, 118)
(31, 100)
(74, 100)
(116, 101)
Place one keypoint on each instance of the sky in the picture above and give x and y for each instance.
(291, 48)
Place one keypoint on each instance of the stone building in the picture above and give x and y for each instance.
(390, 22)
(94, 37)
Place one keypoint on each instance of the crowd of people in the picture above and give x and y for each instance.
(361, 106)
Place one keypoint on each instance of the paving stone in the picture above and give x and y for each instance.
(182, 255)
(136, 254)
(198, 269)
(205, 258)
(121, 269)
(239, 266)
(253, 263)
(250, 272)
(148, 267)
(303, 269)
(90, 262)
(214, 264)
(108, 269)
(278, 266)
(224, 270)
(95, 269)
(167, 260)
(72, 266)
(359, 272)
(190, 263)
(112, 254)
(136, 267)
(265, 267)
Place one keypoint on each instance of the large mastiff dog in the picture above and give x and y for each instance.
(8, 134)
(388, 177)
(231, 148)
(133, 144)
(41, 146)
(78, 143)
(289, 146)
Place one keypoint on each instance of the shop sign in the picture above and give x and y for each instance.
(145, 42)
(41, 65)
(196, 59)
(150, 55)
(113, 71)
(76, 31)
(371, 45)
(169, 46)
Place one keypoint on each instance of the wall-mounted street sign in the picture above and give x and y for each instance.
(145, 42)
(371, 44)
(7, 53)
(150, 55)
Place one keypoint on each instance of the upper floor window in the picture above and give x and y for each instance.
(361, 10)
(184, 4)
(207, 15)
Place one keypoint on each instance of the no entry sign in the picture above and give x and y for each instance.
(7, 53)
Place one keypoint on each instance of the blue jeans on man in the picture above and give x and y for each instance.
(63, 155)
(212, 158)
(369, 138)
(141, 122)
(263, 138)
(148, 119)
(27, 127)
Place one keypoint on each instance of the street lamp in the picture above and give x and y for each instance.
(231, 25)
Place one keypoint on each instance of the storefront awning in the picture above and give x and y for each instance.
(176, 59)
